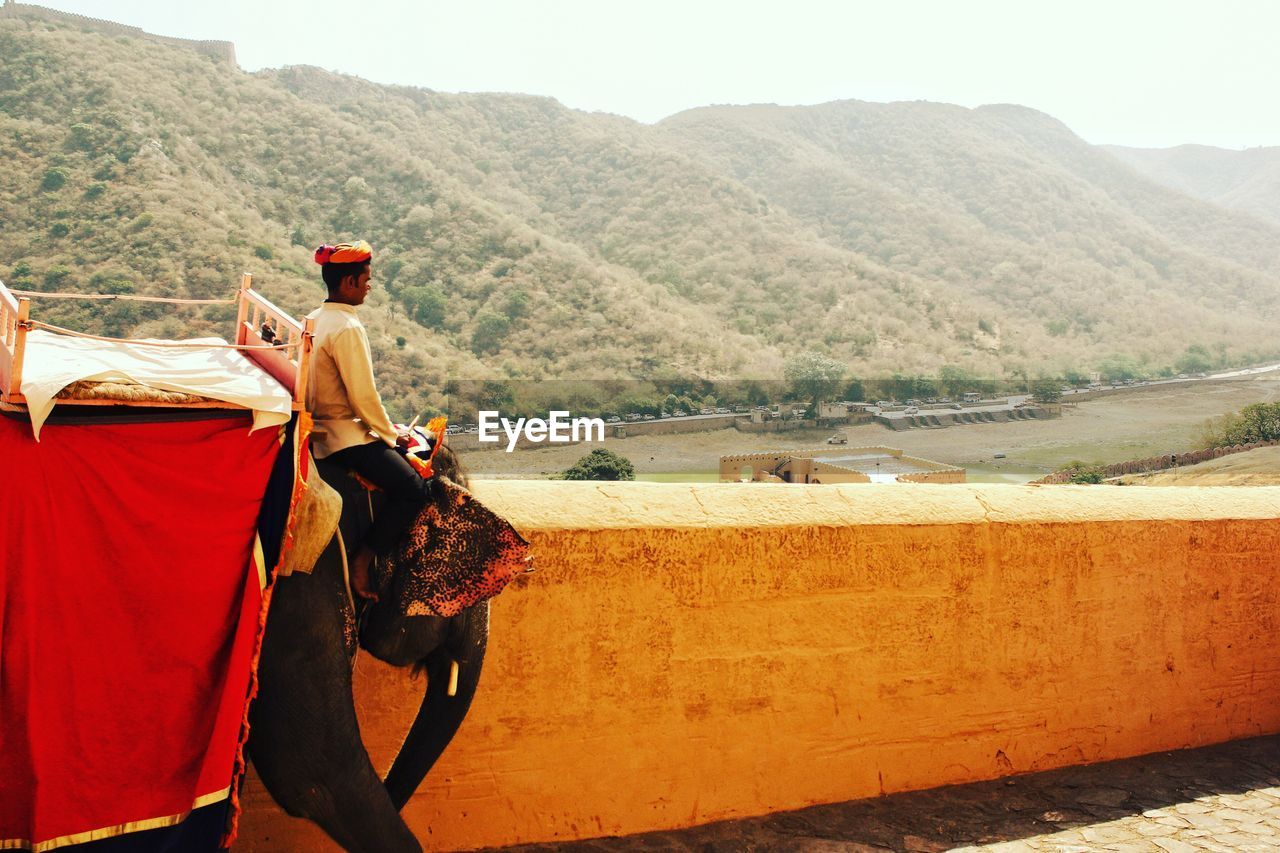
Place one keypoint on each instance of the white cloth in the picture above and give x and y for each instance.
(52, 362)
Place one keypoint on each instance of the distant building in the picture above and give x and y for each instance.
(837, 465)
(844, 412)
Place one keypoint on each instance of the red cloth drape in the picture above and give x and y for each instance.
(128, 612)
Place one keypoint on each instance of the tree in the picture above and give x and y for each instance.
(489, 333)
(601, 464)
(1046, 391)
(426, 305)
(953, 380)
(1256, 422)
(812, 376)
(1118, 366)
(516, 304)
(1195, 360)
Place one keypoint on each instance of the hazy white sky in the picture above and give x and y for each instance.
(1129, 72)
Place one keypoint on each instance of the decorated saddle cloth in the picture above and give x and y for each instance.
(457, 553)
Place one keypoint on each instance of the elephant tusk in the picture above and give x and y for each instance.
(453, 678)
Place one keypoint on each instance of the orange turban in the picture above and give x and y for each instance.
(344, 253)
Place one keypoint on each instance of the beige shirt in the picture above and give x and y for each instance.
(341, 395)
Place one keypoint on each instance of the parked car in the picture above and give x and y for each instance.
(911, 410)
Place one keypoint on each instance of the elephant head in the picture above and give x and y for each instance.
(304, 738)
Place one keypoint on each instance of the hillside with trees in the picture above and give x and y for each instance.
(517, 239)
(1247, 181)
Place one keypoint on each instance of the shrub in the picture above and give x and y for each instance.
(601, 464)
(426, 305)
(55, 275)
(489, 333)
(54, 179)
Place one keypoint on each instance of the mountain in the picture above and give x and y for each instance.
(516, 238)
(1248, 181)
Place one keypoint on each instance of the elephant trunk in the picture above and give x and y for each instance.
(441, 713)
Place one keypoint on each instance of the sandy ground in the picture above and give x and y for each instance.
(1144, 422)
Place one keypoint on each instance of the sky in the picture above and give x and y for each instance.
(1124, 72)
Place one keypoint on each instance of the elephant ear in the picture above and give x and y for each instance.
(456, 554)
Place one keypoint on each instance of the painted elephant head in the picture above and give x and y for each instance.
(304, 738)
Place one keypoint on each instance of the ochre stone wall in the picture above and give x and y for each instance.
(688, 653)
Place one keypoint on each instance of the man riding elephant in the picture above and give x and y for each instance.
(352, 428)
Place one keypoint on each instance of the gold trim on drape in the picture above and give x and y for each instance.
(118, 829)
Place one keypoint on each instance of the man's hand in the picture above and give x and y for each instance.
(403, 438)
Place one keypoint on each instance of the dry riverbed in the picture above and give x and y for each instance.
(1145, 422)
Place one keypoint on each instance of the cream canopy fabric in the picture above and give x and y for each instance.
(52, 362)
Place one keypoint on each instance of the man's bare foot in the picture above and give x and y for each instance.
(360, 586)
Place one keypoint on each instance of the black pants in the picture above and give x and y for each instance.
(407, 492)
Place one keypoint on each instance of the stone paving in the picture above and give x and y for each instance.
(1218, 798)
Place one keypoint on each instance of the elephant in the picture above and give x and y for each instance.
(304, 739)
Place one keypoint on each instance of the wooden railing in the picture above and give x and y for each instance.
(13, 329)
(260, 323)
(277, 343)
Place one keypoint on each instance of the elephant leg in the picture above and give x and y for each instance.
(440, 714)
(304, 736)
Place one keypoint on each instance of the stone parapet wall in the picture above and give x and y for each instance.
(955, 475)
(779, 425)
(939, 472)
(224, 51)
(686, 653)
(672, 426)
